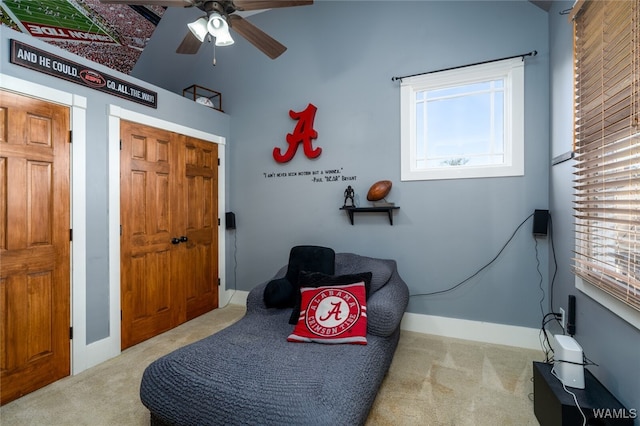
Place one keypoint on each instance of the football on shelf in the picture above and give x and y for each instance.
(379, 190)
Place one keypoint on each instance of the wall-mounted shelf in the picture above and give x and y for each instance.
(352, 210)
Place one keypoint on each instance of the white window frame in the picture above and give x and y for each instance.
(512, 70)
(614, 305)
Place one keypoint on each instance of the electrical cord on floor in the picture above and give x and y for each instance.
(433, 293)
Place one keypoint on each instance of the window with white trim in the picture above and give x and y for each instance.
(607, 147)
(463, 123)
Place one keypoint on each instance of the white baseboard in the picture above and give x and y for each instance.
(224, 297)
(87, 356)
(239, 297)
(478, 331)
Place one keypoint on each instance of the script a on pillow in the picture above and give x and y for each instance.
(332, 315)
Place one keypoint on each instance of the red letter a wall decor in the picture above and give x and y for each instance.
(302, 134)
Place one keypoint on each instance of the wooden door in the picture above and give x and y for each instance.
(201, 216)
(148, 171)
(169, 232)
(35, 293)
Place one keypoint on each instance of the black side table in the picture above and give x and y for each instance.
(553, 406)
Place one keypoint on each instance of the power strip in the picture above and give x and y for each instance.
(563, 318)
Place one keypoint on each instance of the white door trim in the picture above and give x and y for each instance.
(83, 355)
(116, 114)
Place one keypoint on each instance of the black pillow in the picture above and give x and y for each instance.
(277, 294)
(318, 279)
(309, 259)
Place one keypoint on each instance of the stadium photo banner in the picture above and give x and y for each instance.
(47, 63)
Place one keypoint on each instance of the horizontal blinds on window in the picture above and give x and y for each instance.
(607, 138)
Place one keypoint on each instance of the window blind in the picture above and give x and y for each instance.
(607, 146)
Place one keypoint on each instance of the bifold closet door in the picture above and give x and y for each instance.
(201, 224)
(169, 255)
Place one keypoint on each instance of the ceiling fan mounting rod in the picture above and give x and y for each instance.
(222, 7)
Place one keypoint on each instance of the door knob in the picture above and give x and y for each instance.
(175, 241)
(183, 239)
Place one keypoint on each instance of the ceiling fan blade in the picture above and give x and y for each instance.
(263, 41)
(190, 44)
(170, 3)
(268, 4)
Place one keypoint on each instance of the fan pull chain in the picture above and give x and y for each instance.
(210, 39)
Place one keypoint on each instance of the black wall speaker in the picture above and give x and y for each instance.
(540, 222)
(230, 220)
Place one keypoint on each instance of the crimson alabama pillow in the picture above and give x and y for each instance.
(332, 315)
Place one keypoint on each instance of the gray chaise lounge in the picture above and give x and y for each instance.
(249, 373)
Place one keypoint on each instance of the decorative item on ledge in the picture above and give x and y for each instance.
(378, 192)
(204, 96)
(375, 195)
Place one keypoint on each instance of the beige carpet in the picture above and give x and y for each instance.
(432, 381)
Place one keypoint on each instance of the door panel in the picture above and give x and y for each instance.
(150, 304)
(201, 173)
(34, 244)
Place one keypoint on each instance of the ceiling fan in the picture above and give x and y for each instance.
(220, 16)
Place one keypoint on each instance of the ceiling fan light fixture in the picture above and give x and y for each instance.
(224, 39)
(219, 28)
(217, 23)
(199, 28)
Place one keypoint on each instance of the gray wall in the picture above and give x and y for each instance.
(605, 338)
(170, 107)
(341, 57)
